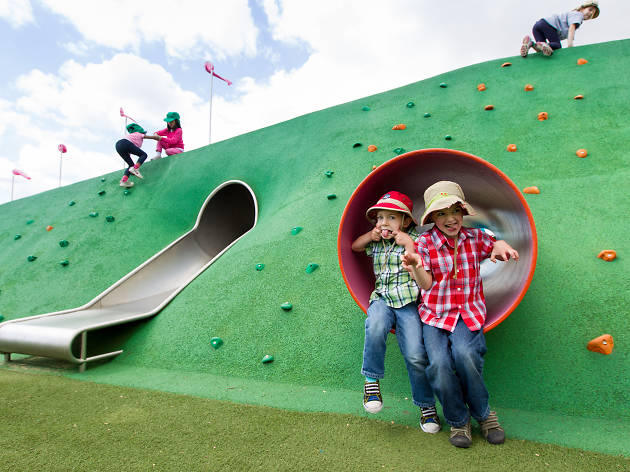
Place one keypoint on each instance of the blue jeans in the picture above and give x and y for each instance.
(381, 318)
(543, 31)
(125, 148)
(455, 372)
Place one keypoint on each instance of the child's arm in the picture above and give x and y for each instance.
(571, 35)
(503, 251)
(411, 262)
(171, 139)
(362, 241)
(157, 137)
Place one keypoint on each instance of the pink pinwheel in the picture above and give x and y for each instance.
(210, 70)
(62, 148)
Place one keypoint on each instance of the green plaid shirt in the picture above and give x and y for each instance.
(393, 283)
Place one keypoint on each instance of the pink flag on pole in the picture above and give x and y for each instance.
(19, 172)
(122, 113)
(62, 148)
(210, 70)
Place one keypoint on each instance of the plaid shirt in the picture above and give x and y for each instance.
(393, 283)
(450, 298)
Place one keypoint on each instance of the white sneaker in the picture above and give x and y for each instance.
(136, 172)
(429, 420)
(126, 184)
(372, 399)
(157, 156)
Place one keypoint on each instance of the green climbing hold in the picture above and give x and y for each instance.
(102, 179)
(267, 359)
(399, 151)
(63, 243)
(30, 222)
(328, 173)
(286, 306)
(310, 268)
(331, 196)
(16, 237)
(260, 266)
(216, 342)
(94, 214)
(31, 258)
(427, 115)
(1, 318)
(448, 137)
(101, 192)
(109, 218)
(296, 230)
(410, 104)
(357, 144)
(443, 85)
(127, 192)
(64, 263)
(71, 203)
(366, 108)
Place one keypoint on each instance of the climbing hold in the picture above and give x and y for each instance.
(448, 137)
(94, 214)
(529, 87)
(109, 219)
(531, 190)
(331, 196)
(481, 87)
(216, 342)
(296, 230)
(543, 115)
(102, 179)
(71, 203)
(443, 85)
(506, 64)
(30, 222)
(310, 268)
(607, 255)
(357, 144)
(48, 228)
(31, 258)
(127, 192)
(511, 148)
(399, 151)
(328, 173)
(489, 107)
(581, 61)
(372, 148)
(1, 318)
(400, 126)
(267, 359)
(64, 263)
(410, 105)
(578, 97)
(427, 115)
(581, 153)
(603, 344)
(63, 243)
(365, 108)
(260, 266)
(16, 237)
(374, 167)
(101, 192)
(286, 306)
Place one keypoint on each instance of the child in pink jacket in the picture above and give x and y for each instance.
(171, 140)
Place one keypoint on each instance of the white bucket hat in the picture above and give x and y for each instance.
(442, 195)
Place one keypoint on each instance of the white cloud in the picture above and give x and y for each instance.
(16, 12)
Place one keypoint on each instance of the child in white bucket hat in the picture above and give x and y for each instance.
(549, 31)
(393, 304)
(446, 264)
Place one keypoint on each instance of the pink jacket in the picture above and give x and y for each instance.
(171, 139)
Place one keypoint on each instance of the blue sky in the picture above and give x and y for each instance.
(69, 65)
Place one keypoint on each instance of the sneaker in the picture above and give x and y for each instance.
(492, 430)
(546, 49)
(537, 47)
(372, 399)
(429, 420)
(527, 43)
(460, 435)
(136, 172)
(126, 184)
(157, 156)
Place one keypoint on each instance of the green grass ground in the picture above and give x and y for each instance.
(57, 424)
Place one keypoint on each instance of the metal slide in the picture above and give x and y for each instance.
(228, 213)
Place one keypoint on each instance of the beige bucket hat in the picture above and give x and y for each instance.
(442, 195)
(591, 4)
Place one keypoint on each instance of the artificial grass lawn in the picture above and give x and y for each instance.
(54, 423)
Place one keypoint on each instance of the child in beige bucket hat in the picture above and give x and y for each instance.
(452, 309)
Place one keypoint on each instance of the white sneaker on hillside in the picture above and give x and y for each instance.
(136, 172)
(126, 184)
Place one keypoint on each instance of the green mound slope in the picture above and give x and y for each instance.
(542, 380)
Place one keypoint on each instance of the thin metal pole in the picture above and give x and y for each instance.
(210, 120)
(60, 160)
(83, 351)
(12, 184)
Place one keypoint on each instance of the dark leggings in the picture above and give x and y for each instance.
(543, 31)
(124, 147)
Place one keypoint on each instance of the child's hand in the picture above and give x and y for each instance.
(503, 251)
(376, 234)
(402, 239)
(411, 260)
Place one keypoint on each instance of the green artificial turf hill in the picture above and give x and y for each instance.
(543, 382)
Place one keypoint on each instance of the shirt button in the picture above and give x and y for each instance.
(459, 288)
(459, 306)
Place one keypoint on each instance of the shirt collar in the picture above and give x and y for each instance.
(439, 239)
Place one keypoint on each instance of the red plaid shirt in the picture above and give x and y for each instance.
(450, 298)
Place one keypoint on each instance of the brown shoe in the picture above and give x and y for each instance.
(545, 48)
(527, 43)
(492, 430)
(460, 435)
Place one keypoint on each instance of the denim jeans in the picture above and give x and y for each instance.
(455, 372)
(543, 31)
(125, 148)
(381, 318)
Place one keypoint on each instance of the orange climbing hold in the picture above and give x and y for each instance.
(489, 107)
(607, 255)
(603, 344)
(543, 115)
(581, 153)
(399, 126)
(481, 87)
(531, 190)
(374, 167)
(511, 147)
(48, 228)
(372, 148)
(506, 64)
(581, 61)
(529, 87)
(578, 97)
